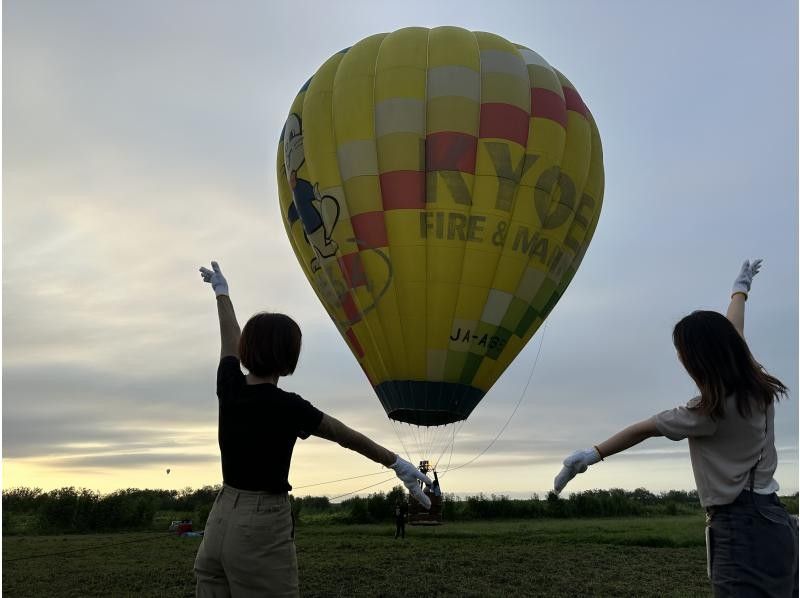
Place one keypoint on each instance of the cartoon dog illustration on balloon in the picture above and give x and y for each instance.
(318, 213)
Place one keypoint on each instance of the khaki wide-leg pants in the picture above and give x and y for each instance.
(248, 547)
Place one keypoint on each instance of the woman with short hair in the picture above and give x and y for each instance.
(751, 539)
(248, 545)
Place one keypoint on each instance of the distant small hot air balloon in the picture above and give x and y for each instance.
(439, 188)
(167, 471)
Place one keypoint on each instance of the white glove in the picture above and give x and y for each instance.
(576, 463)
(745, 278)
(215, 277)
(409, 475)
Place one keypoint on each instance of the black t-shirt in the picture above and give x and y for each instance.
(258, 426)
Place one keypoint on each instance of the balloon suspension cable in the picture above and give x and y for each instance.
(510, 417)
(395, 426)
(449, 443)
(442, 442)
(364, 488)
(366, 475)
(452, 446)
(425, 439)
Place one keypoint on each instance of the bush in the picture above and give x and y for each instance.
(67, 510)
(21, 500)
(314, 504)
(126, 509)
(358, 511)
(603, 503)
(372, 509)
(189, 500)
(200, 516)
(790, 502)
(79, 510)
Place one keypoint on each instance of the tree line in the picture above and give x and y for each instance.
(70, 509)
(76, 510)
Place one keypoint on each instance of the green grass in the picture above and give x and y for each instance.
(595, 557)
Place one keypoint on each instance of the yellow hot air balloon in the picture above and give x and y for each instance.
(439, 188)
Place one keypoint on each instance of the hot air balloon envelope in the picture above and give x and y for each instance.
(439, 188)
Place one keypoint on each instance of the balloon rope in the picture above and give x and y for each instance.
(429, 435)
(151, 535)
(519, 402)
(450, 443)
(414, 430)
(441, 442)
(439, 433)
(395, 426)
(414, 437)
(364, 488)
(452, 446)
(366, 475)
(417, 432)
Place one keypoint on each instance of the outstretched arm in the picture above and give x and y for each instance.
(579, 461)
(332, 429)
(630, 436)
(739, 292)
(229, 331)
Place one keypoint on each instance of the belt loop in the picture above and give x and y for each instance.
(258, 503)
(236, 499)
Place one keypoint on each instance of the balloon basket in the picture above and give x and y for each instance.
(417, 515)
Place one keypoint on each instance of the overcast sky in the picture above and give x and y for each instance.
(139, 143)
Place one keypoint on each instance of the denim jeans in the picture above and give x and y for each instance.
(753, 548)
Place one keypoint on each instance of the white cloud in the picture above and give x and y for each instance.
(139, 144)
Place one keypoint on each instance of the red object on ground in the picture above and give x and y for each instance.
(183, 527)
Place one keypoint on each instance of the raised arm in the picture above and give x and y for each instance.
(332, 429)
(229, 330)
(739, 292)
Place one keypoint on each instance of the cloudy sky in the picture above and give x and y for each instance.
(139, 142)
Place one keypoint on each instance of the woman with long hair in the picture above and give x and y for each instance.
(248, 544)
(751, 539)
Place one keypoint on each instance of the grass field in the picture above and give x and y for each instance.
(593, 557)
